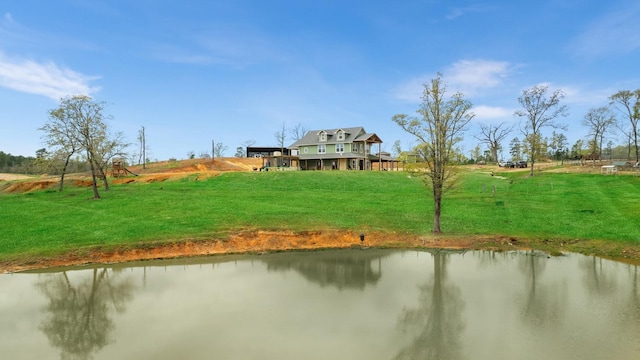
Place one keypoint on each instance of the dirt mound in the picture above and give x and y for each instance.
(26, 186)
(155, 172)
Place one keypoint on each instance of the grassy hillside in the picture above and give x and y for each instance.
(548, 205)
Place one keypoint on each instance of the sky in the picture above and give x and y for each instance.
(193, 72)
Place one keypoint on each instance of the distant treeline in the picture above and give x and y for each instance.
(16, 164)
(41, 164)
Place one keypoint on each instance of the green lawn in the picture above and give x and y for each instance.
(548, 205)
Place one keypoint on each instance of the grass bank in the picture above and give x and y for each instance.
(579, 212)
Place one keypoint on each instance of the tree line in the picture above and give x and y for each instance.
(441, 122)
(541, 109)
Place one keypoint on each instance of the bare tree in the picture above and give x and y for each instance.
(492, 136)
(438, 129)
(598, 120)
(281, 137)
(219, 149)
(539, 112)
(628, 102)
(298, 132)
(397, 148)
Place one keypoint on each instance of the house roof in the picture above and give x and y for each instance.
(351, 134)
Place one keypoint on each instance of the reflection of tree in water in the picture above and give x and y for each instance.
(541, 306)
(596, 280)
(634, 299)
(437, 321)
(79, 321)
(342, 269)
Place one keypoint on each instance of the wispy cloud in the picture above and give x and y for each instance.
(233, 46)
(457, 12)
(484, 112)
(614, 33)
(46, 79)
(469, 76)
(465, 76)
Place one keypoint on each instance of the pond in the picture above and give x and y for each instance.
(347, 304)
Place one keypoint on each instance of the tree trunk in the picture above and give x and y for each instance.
(64, 170)
(103, 175)
(532, 162)
(437, 199)
(94, 184)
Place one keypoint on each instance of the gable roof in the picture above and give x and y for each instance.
(350, 135)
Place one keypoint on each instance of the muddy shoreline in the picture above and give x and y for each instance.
(257, 242)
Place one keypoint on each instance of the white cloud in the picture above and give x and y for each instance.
(411, 90)
(484, 112)
(469, 76)
(46, 79)
(465, 76)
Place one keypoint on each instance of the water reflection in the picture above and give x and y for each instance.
(355, 304)
(436, 323)
(78, 319)
(544, 301)
(353, 269)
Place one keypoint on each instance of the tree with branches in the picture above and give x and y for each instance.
(438, 129)
(219, 149)
(539, 111)
(281, 137)
(628, 103)
(598, 120)
(85, 130)
(493, 135)
(297, 132)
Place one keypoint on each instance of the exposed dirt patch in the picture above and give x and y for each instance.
(156, 172)
(258, 242)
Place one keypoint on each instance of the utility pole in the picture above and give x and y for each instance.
(213, 150)
(144, 150)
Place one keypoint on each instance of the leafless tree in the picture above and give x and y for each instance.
(281, 137)
(298, 132)
(219, 149)
(628, 103)
(492, 136)
(598, 120)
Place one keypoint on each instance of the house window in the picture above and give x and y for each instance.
(354, 148)
(339, 147)
(322, 148)
(340, 135)
(305, 150)
(323, 136)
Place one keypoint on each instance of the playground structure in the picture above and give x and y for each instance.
(118, 168)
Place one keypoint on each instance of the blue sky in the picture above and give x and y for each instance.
(232, 71)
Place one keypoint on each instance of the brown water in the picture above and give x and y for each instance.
(349, 304)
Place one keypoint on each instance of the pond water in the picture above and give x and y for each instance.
(347, 304)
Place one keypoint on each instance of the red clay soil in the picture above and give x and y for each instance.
(155, 172)
(257, 242)
(252, 242)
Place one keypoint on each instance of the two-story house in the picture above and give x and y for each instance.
(344, 148)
